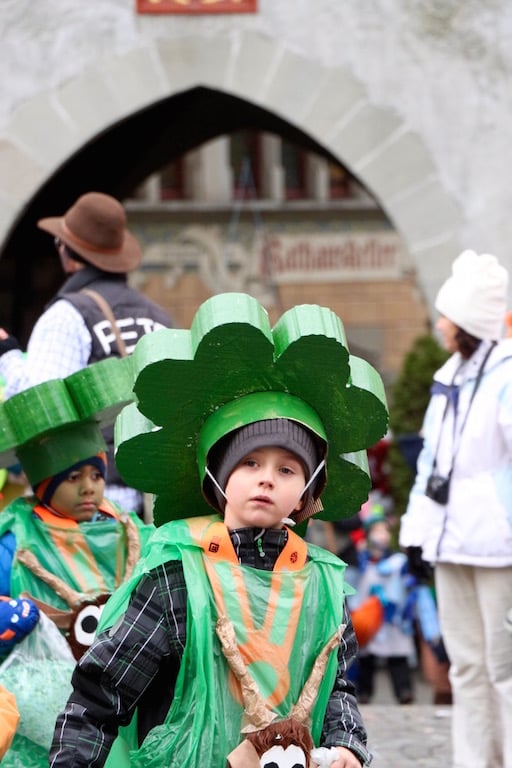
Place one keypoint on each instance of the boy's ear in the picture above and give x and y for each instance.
(299, 505)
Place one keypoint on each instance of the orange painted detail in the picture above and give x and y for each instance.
(216, 543)
(72, 545)
(56, 521)
(255, 641)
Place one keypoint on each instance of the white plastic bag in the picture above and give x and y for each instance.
(38, 671)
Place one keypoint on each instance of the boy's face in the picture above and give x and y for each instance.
(264, 487)
(80, 494)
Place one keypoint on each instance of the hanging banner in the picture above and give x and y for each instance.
(196, 6)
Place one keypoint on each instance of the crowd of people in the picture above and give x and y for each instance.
(198, 640)
(64, 547)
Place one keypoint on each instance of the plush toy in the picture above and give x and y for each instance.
(18, 618)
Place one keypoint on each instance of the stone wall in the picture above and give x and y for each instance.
(414, 97)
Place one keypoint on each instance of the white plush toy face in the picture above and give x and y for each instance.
(277, 757)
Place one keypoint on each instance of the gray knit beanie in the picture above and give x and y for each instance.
(282, 433)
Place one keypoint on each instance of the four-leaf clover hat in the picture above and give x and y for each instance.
(231, 369)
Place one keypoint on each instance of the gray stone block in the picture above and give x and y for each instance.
(137, 78)
(396, 165)
(290, 88)
(425, 213)
(363, 132)
(190, 61)
(90, 101)
(43, 132)
(333, 100)
(19, 176)
(251, 69)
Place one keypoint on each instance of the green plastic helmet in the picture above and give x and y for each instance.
(246, 410)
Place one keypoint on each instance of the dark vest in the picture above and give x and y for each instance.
(135, 314)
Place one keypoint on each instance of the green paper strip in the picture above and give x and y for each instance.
(54, 424)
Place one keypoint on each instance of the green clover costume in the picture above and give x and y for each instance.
(47, 429)
(192, 388)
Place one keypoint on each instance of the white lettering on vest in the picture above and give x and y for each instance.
(130, 328)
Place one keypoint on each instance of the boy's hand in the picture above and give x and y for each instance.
(336, 757)
(417, 566)
(346, 759)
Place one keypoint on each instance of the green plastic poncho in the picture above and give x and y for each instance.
(290, 615)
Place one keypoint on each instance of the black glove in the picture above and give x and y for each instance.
(439, 651)
(11, 342)
(418, 567)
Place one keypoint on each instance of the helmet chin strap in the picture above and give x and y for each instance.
(313, 476)
(214, 481)
(285, 520)
(289, 521)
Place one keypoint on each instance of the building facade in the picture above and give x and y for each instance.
(380, 133)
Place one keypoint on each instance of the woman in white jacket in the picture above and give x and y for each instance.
(459, 515)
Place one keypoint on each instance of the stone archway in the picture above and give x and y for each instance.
(50, 131)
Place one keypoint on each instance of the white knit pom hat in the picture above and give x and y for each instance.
(475, 296)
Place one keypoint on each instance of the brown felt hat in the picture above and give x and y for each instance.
(95, 228)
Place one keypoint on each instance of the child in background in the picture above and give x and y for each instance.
(241, 452)
(64, 549)
(384, 574)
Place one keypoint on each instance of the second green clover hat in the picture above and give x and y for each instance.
(53, 425)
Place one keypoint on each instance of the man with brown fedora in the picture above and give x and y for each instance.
(94, 315)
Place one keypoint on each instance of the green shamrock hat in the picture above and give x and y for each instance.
(53, 425)
(186, 384)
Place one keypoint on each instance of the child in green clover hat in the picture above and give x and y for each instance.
(232, 640)
(63, 550)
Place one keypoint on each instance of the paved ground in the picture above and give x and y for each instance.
(416, 736)
(412, 736)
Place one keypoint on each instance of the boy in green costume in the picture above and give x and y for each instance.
(231, 417)
(67, 547)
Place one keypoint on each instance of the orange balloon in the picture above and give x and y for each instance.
(367, 619)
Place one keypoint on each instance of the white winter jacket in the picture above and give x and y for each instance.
(475, 527)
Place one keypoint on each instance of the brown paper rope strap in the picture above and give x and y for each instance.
(107, 311)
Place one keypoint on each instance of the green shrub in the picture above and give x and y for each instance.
(409, 396)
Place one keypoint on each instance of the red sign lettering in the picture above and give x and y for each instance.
(197, 6)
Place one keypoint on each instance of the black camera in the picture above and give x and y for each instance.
(438, 488)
